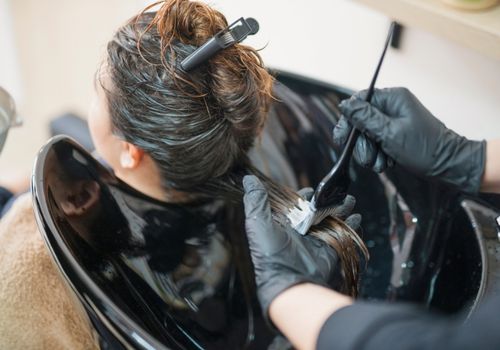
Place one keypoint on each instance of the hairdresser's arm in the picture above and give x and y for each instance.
(403, 129)
(300, 312)
(311, 316)
(491, 177)
(288, 269)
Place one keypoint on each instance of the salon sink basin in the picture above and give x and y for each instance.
(428, 244)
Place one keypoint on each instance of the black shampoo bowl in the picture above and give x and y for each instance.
(155, 276)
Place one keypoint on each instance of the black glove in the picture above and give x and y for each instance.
(408, 133)
(282, 257)
(366, 152)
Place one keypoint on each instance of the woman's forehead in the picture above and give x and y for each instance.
(102, 76)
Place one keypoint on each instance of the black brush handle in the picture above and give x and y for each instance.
(333, 188)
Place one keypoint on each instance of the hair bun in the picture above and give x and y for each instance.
(191, 22)
(238, 81)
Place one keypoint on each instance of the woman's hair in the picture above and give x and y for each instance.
(199, 126)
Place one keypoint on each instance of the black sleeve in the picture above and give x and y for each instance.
(374, 326)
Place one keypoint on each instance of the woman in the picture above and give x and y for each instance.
(182, 137)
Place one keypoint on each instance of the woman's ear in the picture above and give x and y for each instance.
(130, 156)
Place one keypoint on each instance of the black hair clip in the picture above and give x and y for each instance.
(234, 33)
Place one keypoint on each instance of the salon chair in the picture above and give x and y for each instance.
(150, 275)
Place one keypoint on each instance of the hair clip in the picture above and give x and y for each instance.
(234, 33)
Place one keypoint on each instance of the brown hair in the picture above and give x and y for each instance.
(199, 127)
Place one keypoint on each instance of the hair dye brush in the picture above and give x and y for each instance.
(332, 190)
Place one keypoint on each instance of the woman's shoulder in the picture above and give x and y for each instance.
(18, 231)
(20, 242)
(19, 212)
(35, 303)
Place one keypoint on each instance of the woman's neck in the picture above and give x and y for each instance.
(147, 179)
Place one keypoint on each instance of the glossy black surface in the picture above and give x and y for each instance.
(171, 269)
(154, 275)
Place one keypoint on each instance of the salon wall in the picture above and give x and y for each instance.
(58, 44)
(55, 47)
(9, 67)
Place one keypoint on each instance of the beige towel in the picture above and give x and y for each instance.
(36, 311)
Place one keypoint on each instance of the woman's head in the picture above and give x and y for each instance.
(195, 126)
(160, 127)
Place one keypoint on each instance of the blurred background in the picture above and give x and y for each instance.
(49, 51)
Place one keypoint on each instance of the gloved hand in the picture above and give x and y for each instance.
(366, 151)
(282, 257)
(408, 133)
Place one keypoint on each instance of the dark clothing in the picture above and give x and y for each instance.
(374, 326)
(5, 200)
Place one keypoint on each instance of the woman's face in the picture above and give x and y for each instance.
(106, 143)
(128, 162)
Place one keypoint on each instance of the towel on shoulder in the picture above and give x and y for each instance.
(36, 309)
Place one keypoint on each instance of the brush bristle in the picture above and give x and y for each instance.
(303, 216)
(305, 224)
(320, 214)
